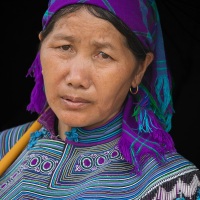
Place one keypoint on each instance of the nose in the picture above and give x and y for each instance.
(79, 73)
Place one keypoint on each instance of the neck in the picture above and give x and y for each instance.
(89, 137)
(62, 129)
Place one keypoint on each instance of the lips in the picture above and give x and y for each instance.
(75, 99)
(74, 102)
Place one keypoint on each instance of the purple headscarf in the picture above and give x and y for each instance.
(145, 123)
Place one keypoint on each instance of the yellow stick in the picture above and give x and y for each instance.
(15, 151)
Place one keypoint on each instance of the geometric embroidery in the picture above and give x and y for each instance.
(38, 163)
(41, 164)
(93, 161)
(96, 172)
(11, 179)
(184, 190)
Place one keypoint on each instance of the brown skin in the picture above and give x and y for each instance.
(87, 70)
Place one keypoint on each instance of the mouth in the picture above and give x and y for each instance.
(72, 102)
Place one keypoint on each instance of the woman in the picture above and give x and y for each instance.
(103, 94)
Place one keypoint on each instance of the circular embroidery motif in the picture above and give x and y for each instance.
(40, 163)
(94, 161)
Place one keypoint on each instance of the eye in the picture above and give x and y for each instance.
(103, 55)
(65, 47)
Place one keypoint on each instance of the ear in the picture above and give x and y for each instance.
(40, 36)
(141, 69)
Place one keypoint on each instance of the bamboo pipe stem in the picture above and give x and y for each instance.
(19, 146)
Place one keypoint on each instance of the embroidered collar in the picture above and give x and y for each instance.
(85, 137)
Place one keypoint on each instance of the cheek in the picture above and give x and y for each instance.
(112, 93)
(118, 82)
(51, 85)
(53, 73)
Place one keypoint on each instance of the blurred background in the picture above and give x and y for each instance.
(180, 21)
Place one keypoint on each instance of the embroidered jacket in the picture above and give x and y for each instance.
(49, 168)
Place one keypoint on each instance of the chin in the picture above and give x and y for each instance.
(74, 120)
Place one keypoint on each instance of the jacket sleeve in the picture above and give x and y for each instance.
(10, 136)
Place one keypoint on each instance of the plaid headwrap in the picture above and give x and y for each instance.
(146, 122)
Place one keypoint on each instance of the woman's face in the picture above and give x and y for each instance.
(87, 70)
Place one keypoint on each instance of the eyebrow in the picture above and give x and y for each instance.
(64, 37)
(95, 43)
(103, 45)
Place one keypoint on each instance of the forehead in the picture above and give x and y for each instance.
(83, 22)
(83, 18)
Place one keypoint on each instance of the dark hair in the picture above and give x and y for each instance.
(133, 43)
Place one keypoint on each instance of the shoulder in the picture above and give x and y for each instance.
(177, 177)
(17, 130)
(178, 167)
(10, 136)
